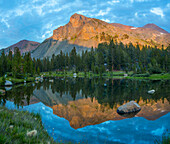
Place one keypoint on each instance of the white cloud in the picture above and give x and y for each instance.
(113, 2)
(41, 9)
(157, 11)
(144, 14)
(106, 20)
(19, 12)
(168, 5)
(136, 14)
(140, 1)
(47, 30)
(89, 13)
(102, 12)
(5, 22)
(47, 34)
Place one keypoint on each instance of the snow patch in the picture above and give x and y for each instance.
(133, 28)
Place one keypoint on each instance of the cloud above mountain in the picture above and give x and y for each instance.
(36, 19)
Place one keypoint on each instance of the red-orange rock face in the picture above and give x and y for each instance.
(85, 112)
(88, 32)
(83, 33)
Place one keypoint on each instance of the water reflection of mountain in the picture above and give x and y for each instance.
(85, 112)
(89, 101)
(54, 98)
(106, 91)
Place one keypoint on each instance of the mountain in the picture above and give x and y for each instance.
(83, 33)
(155, 27)
(84, 112)
(23, 45)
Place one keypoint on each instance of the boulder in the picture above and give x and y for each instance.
(125, 75)
(8, 83)
(2, 92)
(11, 126)
(51, 80)
(74, 75)
(37, 78)
(32, 133)
(151, 91)
(130, 107)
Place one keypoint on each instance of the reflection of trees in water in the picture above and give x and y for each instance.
(112, 91)
(106, 91)
(19, 95)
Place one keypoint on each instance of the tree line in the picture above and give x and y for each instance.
(107, 57)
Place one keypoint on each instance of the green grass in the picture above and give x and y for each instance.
(16, 80)
(153, 77)
(22, 122)
(114, 74)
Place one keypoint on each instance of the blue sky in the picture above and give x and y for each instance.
(36, 19)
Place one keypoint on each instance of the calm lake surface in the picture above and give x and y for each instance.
(84, 110)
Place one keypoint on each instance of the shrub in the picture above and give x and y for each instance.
(125, 36)
(155, 70)
(20, 76)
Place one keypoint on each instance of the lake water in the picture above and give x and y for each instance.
(84, 110)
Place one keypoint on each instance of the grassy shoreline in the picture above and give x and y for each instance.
(116, 75)
(17, 81)
(15, 126)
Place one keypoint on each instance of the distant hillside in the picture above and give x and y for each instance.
(83, 33)
(155, 27)
(24, 46)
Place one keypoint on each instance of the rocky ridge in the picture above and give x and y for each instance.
(83, 33)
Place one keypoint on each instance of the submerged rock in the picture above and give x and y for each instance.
(151, 91)
(130, 107)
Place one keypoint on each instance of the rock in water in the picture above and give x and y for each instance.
(151, 91)
(8, 83)
(51, 80)
(130, 107)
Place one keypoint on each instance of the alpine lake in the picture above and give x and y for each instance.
(84, 110)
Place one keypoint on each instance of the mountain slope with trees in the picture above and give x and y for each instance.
(83, 33)
(107, 57)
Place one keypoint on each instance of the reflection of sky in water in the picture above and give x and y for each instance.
(135, 130)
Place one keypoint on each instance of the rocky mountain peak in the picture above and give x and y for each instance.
(83, 33)
(77, 20)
